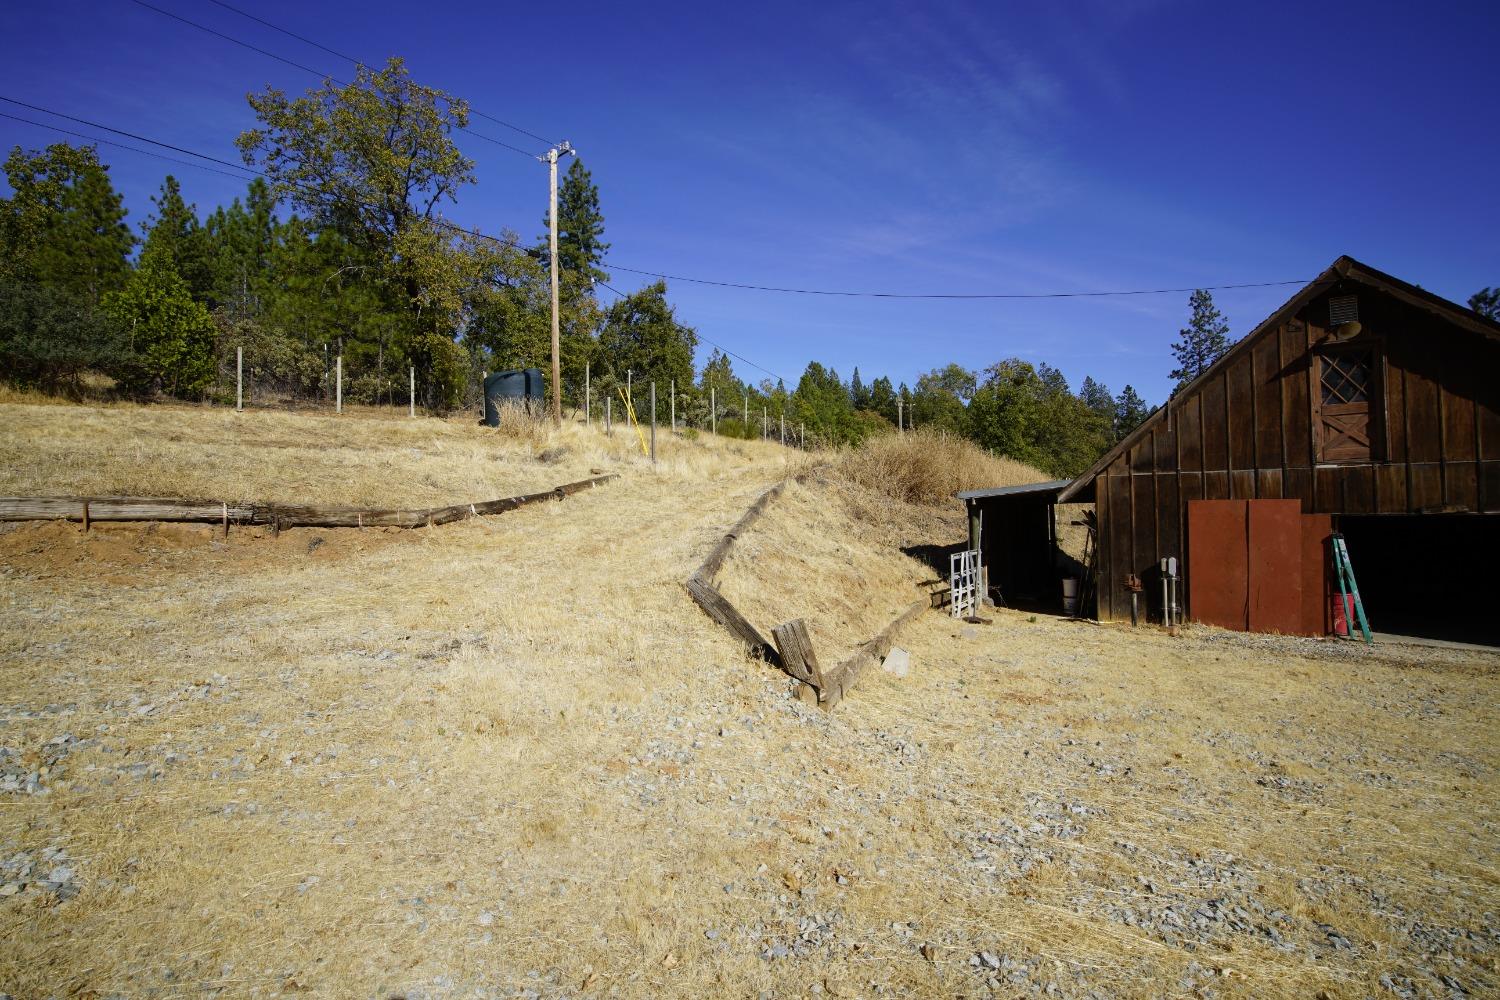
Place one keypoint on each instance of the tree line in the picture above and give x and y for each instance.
(340, 249)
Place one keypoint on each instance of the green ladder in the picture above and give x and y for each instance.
(1348, 588)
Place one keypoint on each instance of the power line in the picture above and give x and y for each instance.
(128, 135)
(359, 62)
(308, 69)
(444, 223)
(121, 145)
(710, 343)
(949, 295)
(514, 245)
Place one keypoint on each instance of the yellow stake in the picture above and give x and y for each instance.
(630, 415)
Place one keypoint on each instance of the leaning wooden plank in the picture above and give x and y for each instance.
(720, 610)
(796, 648)
(839, 680)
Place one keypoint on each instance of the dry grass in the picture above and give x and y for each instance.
(844, 558)
(367, 457)
(510, 754)
(929, 467)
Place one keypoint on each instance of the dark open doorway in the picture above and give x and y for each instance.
(1428, 575)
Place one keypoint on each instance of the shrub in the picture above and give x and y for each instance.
(929, 467)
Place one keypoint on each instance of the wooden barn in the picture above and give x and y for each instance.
(1364, 405)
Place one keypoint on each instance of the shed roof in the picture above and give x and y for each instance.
(1053, 486)
(1344, 267)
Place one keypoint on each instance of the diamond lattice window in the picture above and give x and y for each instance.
(1346, 378)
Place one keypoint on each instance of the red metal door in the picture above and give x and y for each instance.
(1218, 579)
(1274, 538)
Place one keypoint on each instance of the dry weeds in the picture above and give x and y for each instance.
(929, 467)
(511, 755)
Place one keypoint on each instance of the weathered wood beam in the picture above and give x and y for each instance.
(839, 680)
(796, 648)
(717, 607)
(278, 516)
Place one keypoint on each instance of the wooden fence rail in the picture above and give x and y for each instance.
(793, 649)
(89, 509)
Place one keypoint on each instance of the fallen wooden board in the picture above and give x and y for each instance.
(89, 509)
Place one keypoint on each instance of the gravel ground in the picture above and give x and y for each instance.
(243, 769)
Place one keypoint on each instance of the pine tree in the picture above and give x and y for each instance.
(883, 398)
(175, 229)
(1486, 302)
(1096, 397)
(580, 225)
(240, 241)
(859, 393)
(64, 224)
(1130, 410)
(1202, 342)
(171, 336)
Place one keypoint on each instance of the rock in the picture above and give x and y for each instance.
(968, 632)
(898, 662)
(989, 959)
(10, 888)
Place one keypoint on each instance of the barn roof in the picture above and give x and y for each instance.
(1345, 268)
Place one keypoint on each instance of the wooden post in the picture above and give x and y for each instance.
(783, 428)
(609, 403)
(225, 507)
(552, 259)
(713, 410)
(482, 377)
(239, 379)
(653, 422)
(588, 398)
(797, 656)
(85, 516)
(898, 414)
(673, 391)
(411, 396)
(338, 378)
(764, 424)
(747, 413)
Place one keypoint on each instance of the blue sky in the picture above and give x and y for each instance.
(915, 147)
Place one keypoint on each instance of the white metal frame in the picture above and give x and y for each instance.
(963, 582)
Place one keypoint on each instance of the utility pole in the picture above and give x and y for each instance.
(562, 149)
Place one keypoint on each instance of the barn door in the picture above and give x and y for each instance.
(1346, 392)
(1257, 565)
